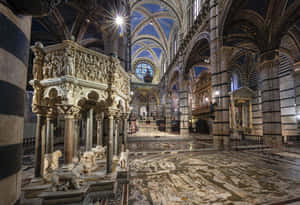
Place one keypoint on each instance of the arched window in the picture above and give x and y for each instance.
(197, 5)
(175, 45)
(234, 82)
(141, 70)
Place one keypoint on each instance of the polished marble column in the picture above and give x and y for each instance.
(49, 134)
(89, 130)
(68, 139)
(100, 118)
(116, 138)
(39, 146)
(109, 152)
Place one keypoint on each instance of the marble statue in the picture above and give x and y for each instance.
(51, 162)
(124, 159)
(88, 161)
(99, 152)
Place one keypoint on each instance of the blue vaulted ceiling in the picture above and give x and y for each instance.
(151, 21)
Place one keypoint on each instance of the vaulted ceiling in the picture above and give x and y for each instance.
(152, 22)
(85, 20)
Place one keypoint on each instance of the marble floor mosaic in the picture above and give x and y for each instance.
(223, 178)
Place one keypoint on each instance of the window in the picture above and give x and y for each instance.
(175, 45)
(234, 82)
(197, 4)
(141, 70)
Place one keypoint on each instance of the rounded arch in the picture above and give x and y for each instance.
(201, 37)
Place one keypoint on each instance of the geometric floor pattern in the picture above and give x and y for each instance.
(223, 178)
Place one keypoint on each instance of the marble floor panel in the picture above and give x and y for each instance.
(223, 178)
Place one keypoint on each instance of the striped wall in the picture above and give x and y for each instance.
(14, 52)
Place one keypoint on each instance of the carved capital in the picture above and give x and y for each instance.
(268, 59)
(111, 112)
(69, 110)
(296, 68)
(100, 116)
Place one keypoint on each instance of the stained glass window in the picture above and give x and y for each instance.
(141, 70)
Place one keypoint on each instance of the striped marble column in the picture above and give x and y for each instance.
(220, 89)
(184, 112)
(220, 81)
(269, 67)
(14, 52)
(297, 90)
(168, 114)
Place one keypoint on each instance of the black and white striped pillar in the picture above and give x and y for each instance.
(220, 81)
(184, 109)
(14, 52)
(168, 114)
(269, 67)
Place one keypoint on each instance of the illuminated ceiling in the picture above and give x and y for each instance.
(152, 22)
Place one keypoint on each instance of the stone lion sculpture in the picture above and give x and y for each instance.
(51, 162)
(88, 162)
(99, 152)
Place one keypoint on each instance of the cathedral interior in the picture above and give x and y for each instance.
(150, 102)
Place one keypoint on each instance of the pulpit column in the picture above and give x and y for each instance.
(100, 118)
(39, 146)
(116, 141)
(76, 135)
(109, 152)
(125, 131)
(89, 131)
(68, 139)
(49, 134)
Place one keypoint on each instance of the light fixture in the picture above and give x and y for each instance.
(131, 93)
(206, 99)
(119, 20)
(217, 93)
(298, 117)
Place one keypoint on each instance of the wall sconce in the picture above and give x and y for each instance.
(215, 103)
(216, 98)
(131, 93)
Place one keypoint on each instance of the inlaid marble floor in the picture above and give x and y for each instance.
(229, 178)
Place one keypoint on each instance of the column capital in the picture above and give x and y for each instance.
(296, 70)
(100, 116)
(39, 109)
(125, 116)
(268, 57)
(69, 110)
(111, 112)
